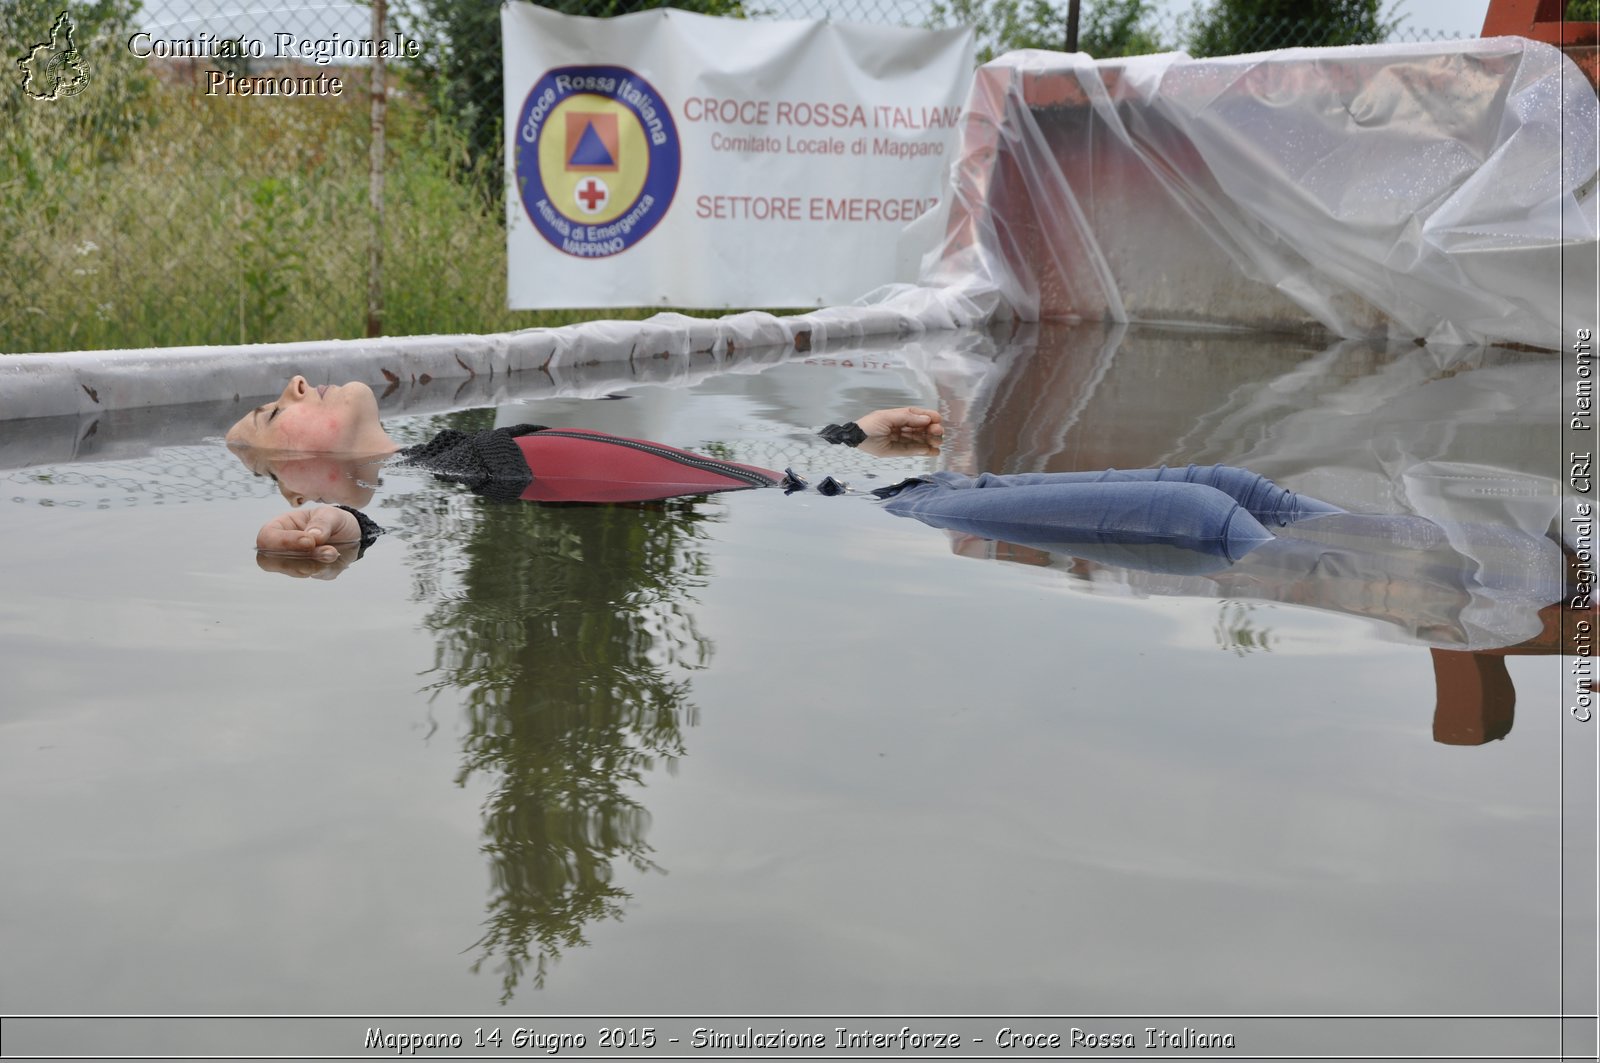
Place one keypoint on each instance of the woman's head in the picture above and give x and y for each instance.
(323, 420)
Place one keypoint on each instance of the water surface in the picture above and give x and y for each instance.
(768, 754)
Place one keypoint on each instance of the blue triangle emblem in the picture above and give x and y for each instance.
(590, 150)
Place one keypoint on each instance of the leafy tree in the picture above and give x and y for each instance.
(1232, 27)
(1120, 27)
(1108, 28)
(1003, 25)
(461, 69)
(1583, 10)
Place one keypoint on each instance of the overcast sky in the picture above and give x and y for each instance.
(1449, 16)
(1459, 16)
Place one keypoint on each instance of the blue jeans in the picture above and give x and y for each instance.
(1216, 510)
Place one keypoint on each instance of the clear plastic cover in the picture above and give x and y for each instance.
(1441, 192)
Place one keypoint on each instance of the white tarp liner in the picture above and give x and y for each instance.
(668, 158)
(50, 385)
(1421, 191)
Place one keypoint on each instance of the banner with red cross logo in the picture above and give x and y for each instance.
(670, 159)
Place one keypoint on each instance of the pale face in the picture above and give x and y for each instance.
(326, 419)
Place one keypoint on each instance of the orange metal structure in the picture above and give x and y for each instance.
(1542, 20)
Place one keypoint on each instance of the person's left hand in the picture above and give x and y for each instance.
(902, 422)
(316, 543)
(314, 534)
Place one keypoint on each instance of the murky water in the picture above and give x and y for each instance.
(768, 754)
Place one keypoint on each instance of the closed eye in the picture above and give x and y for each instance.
(273, 414)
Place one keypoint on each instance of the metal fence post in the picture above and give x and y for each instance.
(380, 111)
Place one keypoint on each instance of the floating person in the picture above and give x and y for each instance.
(1212, 511)
(1197, 530)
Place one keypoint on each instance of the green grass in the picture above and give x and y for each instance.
(143, 213)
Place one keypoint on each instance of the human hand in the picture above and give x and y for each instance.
(903, 421)
(309, 535)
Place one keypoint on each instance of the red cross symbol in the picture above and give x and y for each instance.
(592, 194)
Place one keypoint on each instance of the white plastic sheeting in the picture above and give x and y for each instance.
(1441, 192)
(51, 385)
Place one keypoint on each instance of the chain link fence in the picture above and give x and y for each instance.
(146, 201)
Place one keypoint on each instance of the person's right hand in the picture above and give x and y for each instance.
(309, 534)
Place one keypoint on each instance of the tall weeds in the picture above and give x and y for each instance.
(144, 213)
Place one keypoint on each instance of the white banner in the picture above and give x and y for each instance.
(671, 159)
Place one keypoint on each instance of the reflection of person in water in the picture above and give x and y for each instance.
(294, 438)
(1474, 594)
(569, 702)
(1466, 589)
(1215, 510)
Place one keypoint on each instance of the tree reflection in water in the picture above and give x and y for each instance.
(567, 641)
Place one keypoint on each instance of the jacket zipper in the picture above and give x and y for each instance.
(754, 479)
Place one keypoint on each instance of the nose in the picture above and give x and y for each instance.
(296, 390)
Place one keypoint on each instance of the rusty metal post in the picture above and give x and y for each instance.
(380, 114)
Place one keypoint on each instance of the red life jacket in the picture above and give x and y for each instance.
(581, 465)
